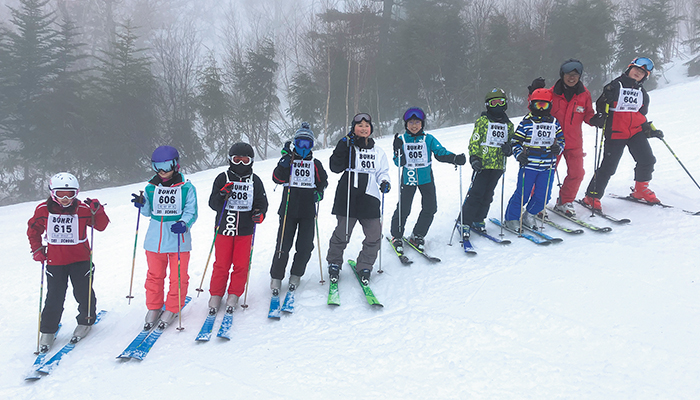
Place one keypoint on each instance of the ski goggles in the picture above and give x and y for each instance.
(362, 116)
(643, 63)
(541, 105)
(496, 102)
(60, 194)
(303, 143)
(163, 166)
(245, 160)
(572, 66)
(414, 112)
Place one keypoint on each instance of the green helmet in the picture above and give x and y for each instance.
(495, 93)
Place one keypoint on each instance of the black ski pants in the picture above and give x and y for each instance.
(639, 148)
(476, 205)
(427, 212)
(57, 284)
(304, 230)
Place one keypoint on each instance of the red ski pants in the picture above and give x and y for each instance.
(574, 174)
(155, 280)
(230, 250)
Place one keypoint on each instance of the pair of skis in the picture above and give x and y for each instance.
(207, 329)
(144, 341)
(533, 235)
(41, 367)
(404, 259)
(277, 307)
(334, 295)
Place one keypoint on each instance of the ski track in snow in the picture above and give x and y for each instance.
(599, 316)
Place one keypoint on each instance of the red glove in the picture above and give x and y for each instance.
(94, 204)
(227, 189)
(39, 254)
(258, 217)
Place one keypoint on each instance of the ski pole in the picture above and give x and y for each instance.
(347, 208)
(503, 191)
(381, 235)
(250, 262)
(211, 249)
(679, 162)
(459, 218)
(41, 301)
(318, 245)
(133, 260)
(284, 220)
(179, 286)
(547, 191)
(522, 201)
(91, 266)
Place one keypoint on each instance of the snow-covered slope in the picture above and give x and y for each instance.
(598, 316)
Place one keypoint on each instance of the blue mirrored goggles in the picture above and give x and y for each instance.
(414, 112)
(303, 143)
(644, 63)
(572, 66)
(164, 166)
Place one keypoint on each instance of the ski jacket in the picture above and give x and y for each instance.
(629, 103)
(366, 166)
(547, 130)
(418, 170)
(66, 230)
(486, 140)
(302, 199)
(572, 113)
(167, 203)
(248, 197)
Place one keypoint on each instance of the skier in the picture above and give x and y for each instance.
(365, 174)
(304, 181)
(537, 142)
(413, 151)
(571, 106)
(171, 202)
(489, 146)
(240, 195)
(67, 254)
(622, 109)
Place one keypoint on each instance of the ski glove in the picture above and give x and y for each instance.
(351, 139)
(538, 83)
(385, 187)
(258, 217)
(522, 157)
(139, 200)
(460, 159)
(398, 150)
(609, 94)
(555, 149)
(318, 195)
(94, 204)
(39, 254)
(287, 149)
(597, 120)
(179, 227)
(650, 130)
(476, 163)
(507, 149)
(285, 161)
(226, 190)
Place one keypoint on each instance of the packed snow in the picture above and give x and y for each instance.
(598, 316)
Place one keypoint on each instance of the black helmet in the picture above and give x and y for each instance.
(240, 159)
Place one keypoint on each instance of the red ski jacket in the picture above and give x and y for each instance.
(571, 114)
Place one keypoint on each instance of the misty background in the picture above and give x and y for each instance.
(94, 86)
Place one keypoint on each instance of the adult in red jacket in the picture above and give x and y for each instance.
(67, 255)
(571, 106)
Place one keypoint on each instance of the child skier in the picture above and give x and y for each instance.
(171, 202)
(622, 110)
(537, 142)
(365, 174)
(65, 219)
(489, 146)
(413, 153)
(304, 181)
(239, 199)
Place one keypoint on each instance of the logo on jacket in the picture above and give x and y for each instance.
(580, 109)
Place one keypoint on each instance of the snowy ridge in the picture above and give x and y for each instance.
(596, 317)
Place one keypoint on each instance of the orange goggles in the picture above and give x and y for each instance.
(542, 105)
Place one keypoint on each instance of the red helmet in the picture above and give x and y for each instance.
(541, 95)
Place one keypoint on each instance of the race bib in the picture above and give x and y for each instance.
(496, 135)
(241, 198)
(302, 174)
(366, 161)
(416, 154)
(629, 100)
(167, 201)
(62, 229)
(543, 134)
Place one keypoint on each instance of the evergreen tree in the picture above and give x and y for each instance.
(658, 26)
(214, 107)
(694, 44)
(305, 100)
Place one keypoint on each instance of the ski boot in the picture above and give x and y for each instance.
(231, 303)
(294, 282)
(275, 285)
(565, 208)
(214, 303)
(529, 220)
(418, 241)
(80, 332)
(333, 272)
(512, 224)
(641, 191)
(398, 244)
(364, 276)
(593, 202)
(479, 226)
(46, 342)
(152, 317)
(166, 319)
(466, 232)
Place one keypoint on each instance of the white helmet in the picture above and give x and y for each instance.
(63, 181)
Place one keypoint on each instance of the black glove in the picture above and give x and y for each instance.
(538, 83)
(258, 217)
(226, 190)
(555, 149)
(507, 149)
(460, 159)
(609, 94)
(138, 200)
(476, 163)
(285, 161)
(351, 139)
(597, 120)
(318, 195)
(650, 131)
(522, 157)
(398, 143)
(384, 187)
(287, 149)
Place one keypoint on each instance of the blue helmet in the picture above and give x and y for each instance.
(165, 158)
